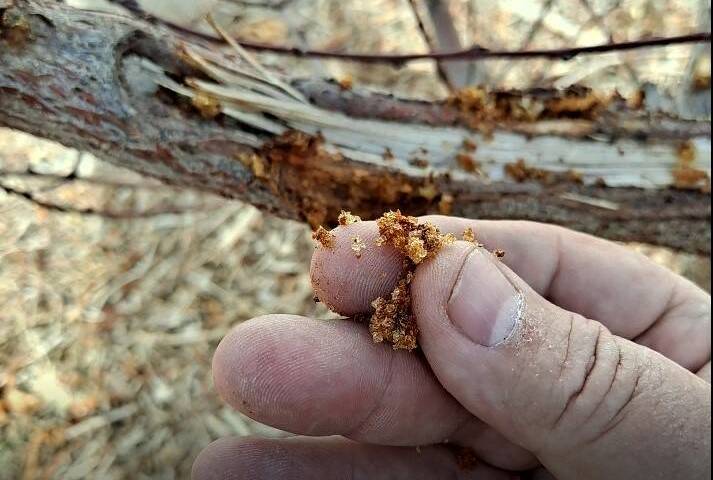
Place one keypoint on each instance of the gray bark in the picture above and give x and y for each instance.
(74, 77)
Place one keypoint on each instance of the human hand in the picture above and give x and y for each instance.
(615, 397)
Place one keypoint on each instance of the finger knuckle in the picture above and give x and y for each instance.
(601, 390)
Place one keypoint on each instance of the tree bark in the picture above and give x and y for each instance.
(80, 78)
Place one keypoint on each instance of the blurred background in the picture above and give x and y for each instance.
(108, 319)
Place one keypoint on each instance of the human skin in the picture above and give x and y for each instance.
(572, 356)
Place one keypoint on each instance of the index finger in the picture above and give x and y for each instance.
(631, 295)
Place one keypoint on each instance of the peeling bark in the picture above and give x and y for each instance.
(76, 77)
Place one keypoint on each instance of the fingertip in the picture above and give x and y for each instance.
(297, 374)
(228, 361)
(249, 352)
(331, 457)
(346, 278)
(245, 457)
(210, 463)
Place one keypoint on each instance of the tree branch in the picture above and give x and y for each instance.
(137, 95)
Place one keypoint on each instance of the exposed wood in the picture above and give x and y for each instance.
(91, 81)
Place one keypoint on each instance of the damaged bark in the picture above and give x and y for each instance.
(597, 165)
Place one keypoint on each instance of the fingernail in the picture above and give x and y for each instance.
(484, 304)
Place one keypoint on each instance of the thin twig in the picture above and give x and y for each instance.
(71, 178)
(114, 215)
(475, 53)
(277, 5)
(478, 53)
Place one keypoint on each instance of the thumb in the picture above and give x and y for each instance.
(589, 404)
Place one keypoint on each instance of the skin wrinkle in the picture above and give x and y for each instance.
(556, 271)
(529, 335)
(617, 372)
(670, 306)
(380, 400)
(585, 378)
(620, 414)
(566, 287)
(705, 317)
(563, 365)
(702, 317)
(355, 346)
(554, 387)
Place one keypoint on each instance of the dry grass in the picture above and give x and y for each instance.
(107, 327)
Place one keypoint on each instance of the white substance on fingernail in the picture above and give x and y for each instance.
(508, 320)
